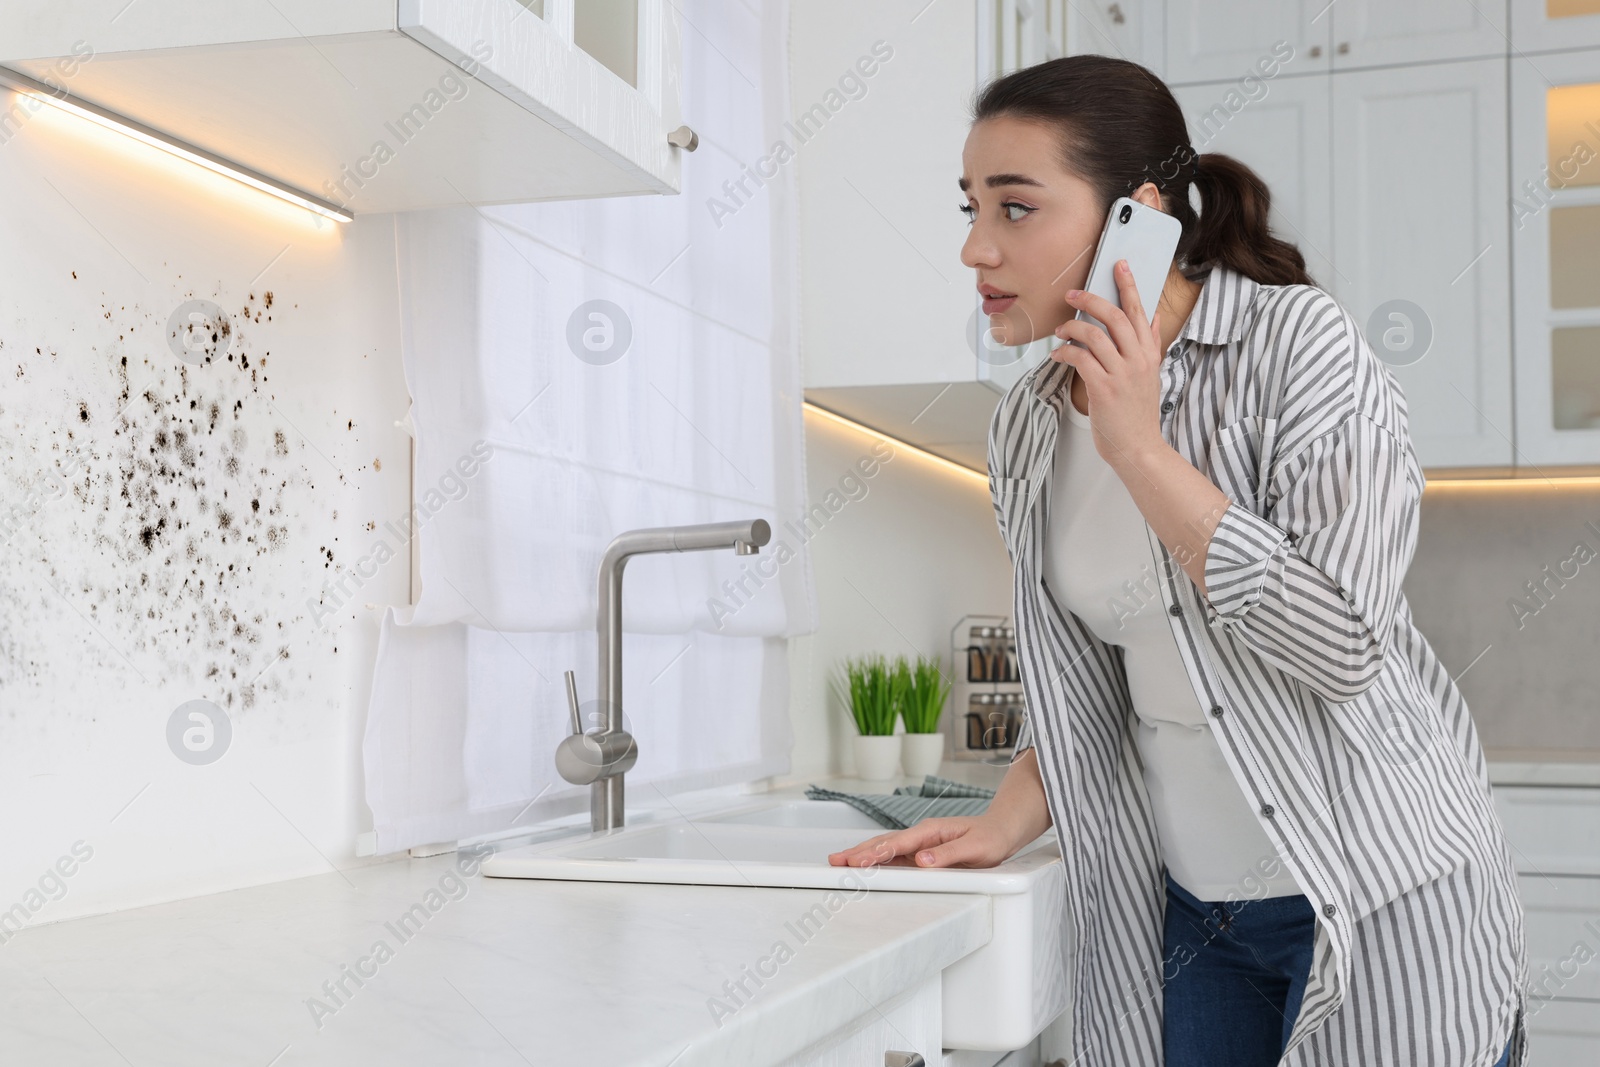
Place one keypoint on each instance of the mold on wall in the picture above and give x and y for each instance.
(152, 484)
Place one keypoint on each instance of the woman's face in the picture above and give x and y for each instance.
(1034, 227)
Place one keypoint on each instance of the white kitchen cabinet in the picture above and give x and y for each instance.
(1375, 33)
(507, 101)
(1356, 162)
(1284, 137)
(1564, 1032)
(1554, 832)
(1561, 919)
(1125, 29)
(908, 1024)
(1549, 25)
(888, 313)
(1419, 244)
(1214, 40)
(1555, 231)
(1209, 40)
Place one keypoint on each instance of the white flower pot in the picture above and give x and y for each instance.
(877, 756)
(921, 754)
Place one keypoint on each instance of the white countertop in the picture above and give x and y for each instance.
(508, 971)
(503, 971)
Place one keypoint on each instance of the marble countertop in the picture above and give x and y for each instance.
(322, 970)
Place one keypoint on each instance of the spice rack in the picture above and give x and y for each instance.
(986, 693)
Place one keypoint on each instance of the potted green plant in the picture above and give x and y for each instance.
(870, 696)
(921, 691)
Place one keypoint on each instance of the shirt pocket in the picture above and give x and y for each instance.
(1011, 509)
(1240, 459)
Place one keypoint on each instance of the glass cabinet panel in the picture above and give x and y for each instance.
(609, 31)
(1573, 133)
(1566, 9)
(1575, 257)
(1575, 377)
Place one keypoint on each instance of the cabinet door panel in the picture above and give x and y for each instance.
(1283, 136)
(908, 1023)
(1370, 33)
(1419, 209)
(885, 299)
(1126, 29)
(1555, 142)
(1564, 1031)
(1217, 40)
(1562, 924)
(1545, 25)
(1553, 830)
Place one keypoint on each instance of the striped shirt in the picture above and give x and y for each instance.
(1342, 728)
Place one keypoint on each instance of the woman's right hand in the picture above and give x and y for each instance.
(958, 841)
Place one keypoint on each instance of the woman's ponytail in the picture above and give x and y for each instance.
(1231, 227)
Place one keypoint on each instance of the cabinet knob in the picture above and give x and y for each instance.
(685, 138)
(1316, 50)
(904, 1059)
(1344, 48)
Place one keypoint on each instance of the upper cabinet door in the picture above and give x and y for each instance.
(1420, 246)
(1282, 135)
(1549, 25)
(1555, 230)
(1128, 29)
(1377, 33)
(1224, 40)
(884, 296)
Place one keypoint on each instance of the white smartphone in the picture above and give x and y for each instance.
(1147, 239)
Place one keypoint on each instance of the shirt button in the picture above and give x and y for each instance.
(1216, 709)
(1176, 609)
(1267, 810)
(1167, 405)
(1328, 910)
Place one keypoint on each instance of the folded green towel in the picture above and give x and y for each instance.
(910, 804)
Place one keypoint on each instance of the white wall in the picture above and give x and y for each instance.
(104, 633)
(905, 553)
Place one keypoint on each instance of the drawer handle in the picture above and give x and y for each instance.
(904, 1059)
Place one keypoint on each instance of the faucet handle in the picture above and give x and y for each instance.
(572, 702)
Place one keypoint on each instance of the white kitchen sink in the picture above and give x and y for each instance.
(835, 813)
(997, 998)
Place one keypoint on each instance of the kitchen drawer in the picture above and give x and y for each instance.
(1562, 922)
(1552, 830)
(908, 1023)
(1564, 1033)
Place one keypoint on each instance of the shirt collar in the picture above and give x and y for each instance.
(1218, 318)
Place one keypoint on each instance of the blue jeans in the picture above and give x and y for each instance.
(1234, 974)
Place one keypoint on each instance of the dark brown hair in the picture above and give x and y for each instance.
(1120, 127)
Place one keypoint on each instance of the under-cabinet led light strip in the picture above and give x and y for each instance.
(1441, 482)
(951, 465)
(183, 150)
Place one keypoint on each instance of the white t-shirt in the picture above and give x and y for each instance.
(1099, 563)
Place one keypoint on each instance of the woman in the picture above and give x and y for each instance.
(1270, 799)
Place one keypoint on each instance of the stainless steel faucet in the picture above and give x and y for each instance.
(601, 759)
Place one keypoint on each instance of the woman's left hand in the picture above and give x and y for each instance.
(1121, 372)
